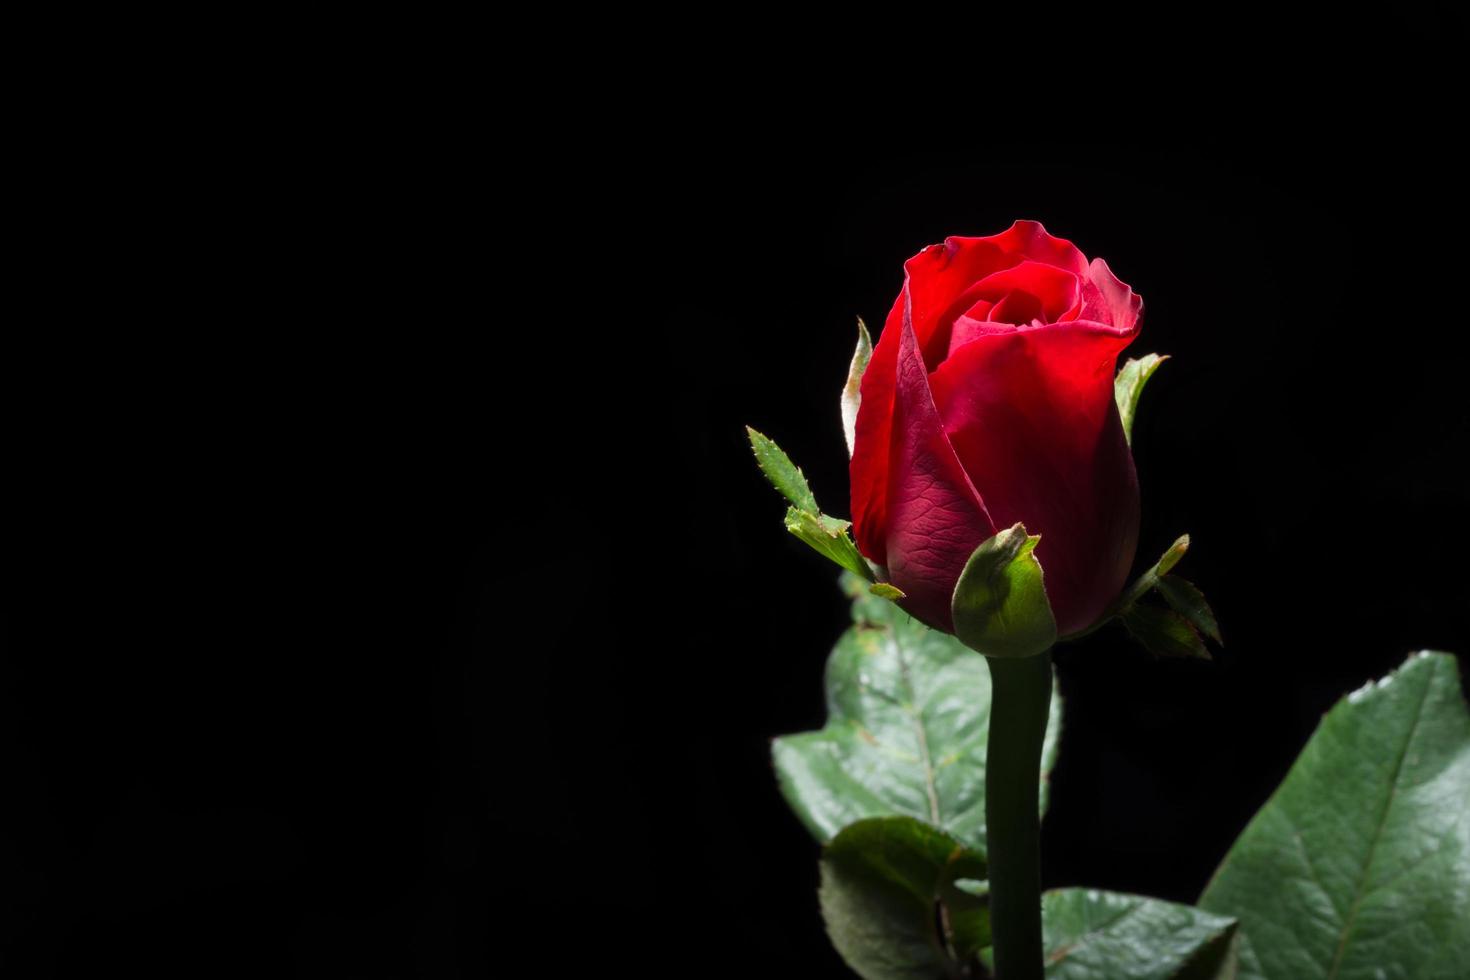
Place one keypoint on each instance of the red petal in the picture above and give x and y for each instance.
(966, 330)
(1031, 415)
(1015, 307)
(938, 278)
(936, 282)
(936, 519)
(1028, 238)
(1057, 293)
(1105, 299)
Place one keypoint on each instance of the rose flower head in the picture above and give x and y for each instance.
(988, 401)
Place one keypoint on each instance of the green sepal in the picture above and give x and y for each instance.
(1000, 606)
(852, 390)
(1359, 863)
(908, 712)
(827, 536)
(889, 900)
(1128, 387)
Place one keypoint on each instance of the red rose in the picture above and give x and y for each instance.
(989, 401)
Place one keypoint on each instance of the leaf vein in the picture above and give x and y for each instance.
(1361, 891)
(911, 709)
(1066, 950)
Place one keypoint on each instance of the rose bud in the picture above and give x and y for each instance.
(987, 402)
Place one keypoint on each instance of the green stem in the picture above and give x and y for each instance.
(1020, 698)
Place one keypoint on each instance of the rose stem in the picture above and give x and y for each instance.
(1020, 698)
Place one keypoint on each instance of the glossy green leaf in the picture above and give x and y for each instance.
(1089, 934)
(908, 714)
(782, 472)
(828, 536)
(1128, 387)
(1358, 865)
(1000, 606)
(1163, 632)
(890, 904)
(852, 390)
(1188, 601)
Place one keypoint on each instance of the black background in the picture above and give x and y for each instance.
(398, 595)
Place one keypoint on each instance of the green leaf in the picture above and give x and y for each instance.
(890, 904)
(782, 472)
(1088, 934)
(1000, 606)
(908, 710)
(828, 536)
(1359, 864)
(1189, 602)
(852, 390)
(1163, 632)
(1128, 387)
